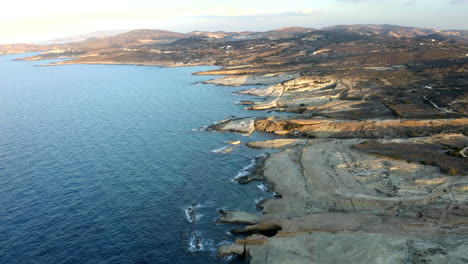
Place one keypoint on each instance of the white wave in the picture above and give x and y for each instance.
(250, 165)
(198, 243)
(198, 217)
(228, 259)
(241, 174)
(219, 149)
(245, 169)
(224, 150)
(263, 187)
(204, 204)
(224, 242)
(258, 200)
(190, 214)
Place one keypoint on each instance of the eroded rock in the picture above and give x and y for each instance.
(322, 248)
(267, 79)
(238, 125)
(231, 249)
(362, 129)
(277, 143)
(228, 217)
(339, 204)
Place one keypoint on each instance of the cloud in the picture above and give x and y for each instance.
(410, 3)
(308, 11)
(303, 12)
(352, 1)
(407, 3)
(237, 12)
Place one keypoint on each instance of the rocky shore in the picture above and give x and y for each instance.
(370, 171)
(356, 181)
(338, 203)
(373, 165)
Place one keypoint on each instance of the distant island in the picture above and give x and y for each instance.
(373, 166)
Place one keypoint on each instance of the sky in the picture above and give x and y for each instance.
(35, 21)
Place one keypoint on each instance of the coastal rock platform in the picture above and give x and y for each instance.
(340, 204)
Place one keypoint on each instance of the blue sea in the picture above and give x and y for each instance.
(99, 163)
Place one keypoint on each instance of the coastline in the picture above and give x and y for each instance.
(158, 64)
(331, 205)
(339, 190)
(346, 205)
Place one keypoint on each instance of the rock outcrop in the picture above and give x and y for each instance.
(228, 217)
(339, 204)
(238, 125)
(240, 80)
(374, 169)
(361, 129)
(277, 143)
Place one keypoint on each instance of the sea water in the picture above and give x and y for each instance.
(108, 164)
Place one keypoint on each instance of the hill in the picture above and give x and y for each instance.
(397, 31)
(21, 48)
(82, 37)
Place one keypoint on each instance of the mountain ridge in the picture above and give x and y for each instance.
(108, 39)
(84, 36)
